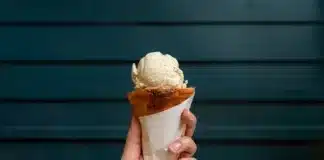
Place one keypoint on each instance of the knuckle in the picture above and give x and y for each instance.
(193, 119)
(186, 139)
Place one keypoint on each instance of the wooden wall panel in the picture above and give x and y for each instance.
(182, 10)
(257, 66)
(88, 151)
(187, 43)
(229, 82)
(216, 121)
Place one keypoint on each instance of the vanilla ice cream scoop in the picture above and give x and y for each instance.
(158, 70)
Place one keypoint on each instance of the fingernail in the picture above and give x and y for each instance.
(175, 146)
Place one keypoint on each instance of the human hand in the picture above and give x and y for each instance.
(183, 148)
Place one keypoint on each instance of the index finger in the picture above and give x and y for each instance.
(190, 121)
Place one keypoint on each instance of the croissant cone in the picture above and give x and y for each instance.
(150, 101)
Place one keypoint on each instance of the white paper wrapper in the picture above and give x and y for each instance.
(161, 129)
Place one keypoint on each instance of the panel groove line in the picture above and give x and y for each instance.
(222, 142)
(289, 102)
(159, 23)
(187, 63)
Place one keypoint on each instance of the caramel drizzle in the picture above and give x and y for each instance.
(158, 97)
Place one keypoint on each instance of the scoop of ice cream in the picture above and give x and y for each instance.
(158, 70)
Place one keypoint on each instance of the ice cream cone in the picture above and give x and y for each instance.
(159, 98)
(150, 101)
(159, 112)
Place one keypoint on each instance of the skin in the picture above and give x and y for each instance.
(182, 148)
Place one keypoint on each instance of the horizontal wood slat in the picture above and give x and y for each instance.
(195, 43)
(213, 82)
(80, 151)
(63, 151)
(110, 121)
(183, 10)
(256, 153)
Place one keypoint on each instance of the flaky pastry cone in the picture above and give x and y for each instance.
(150, 101)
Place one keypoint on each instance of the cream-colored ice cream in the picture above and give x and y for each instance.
(158, 70)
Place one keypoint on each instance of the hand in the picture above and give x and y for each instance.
(183, 148)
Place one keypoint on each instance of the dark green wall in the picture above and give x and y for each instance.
(257, 65)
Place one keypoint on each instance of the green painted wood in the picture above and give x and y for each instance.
(215, 152)
(183, 10)
(199, 43)
(110, 121)
(101, 151)
(246, 82)
(62, 151)
(184, 42)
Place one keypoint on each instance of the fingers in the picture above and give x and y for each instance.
(134, 132)
(132, 149)
(190, 120)
(184, 146)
